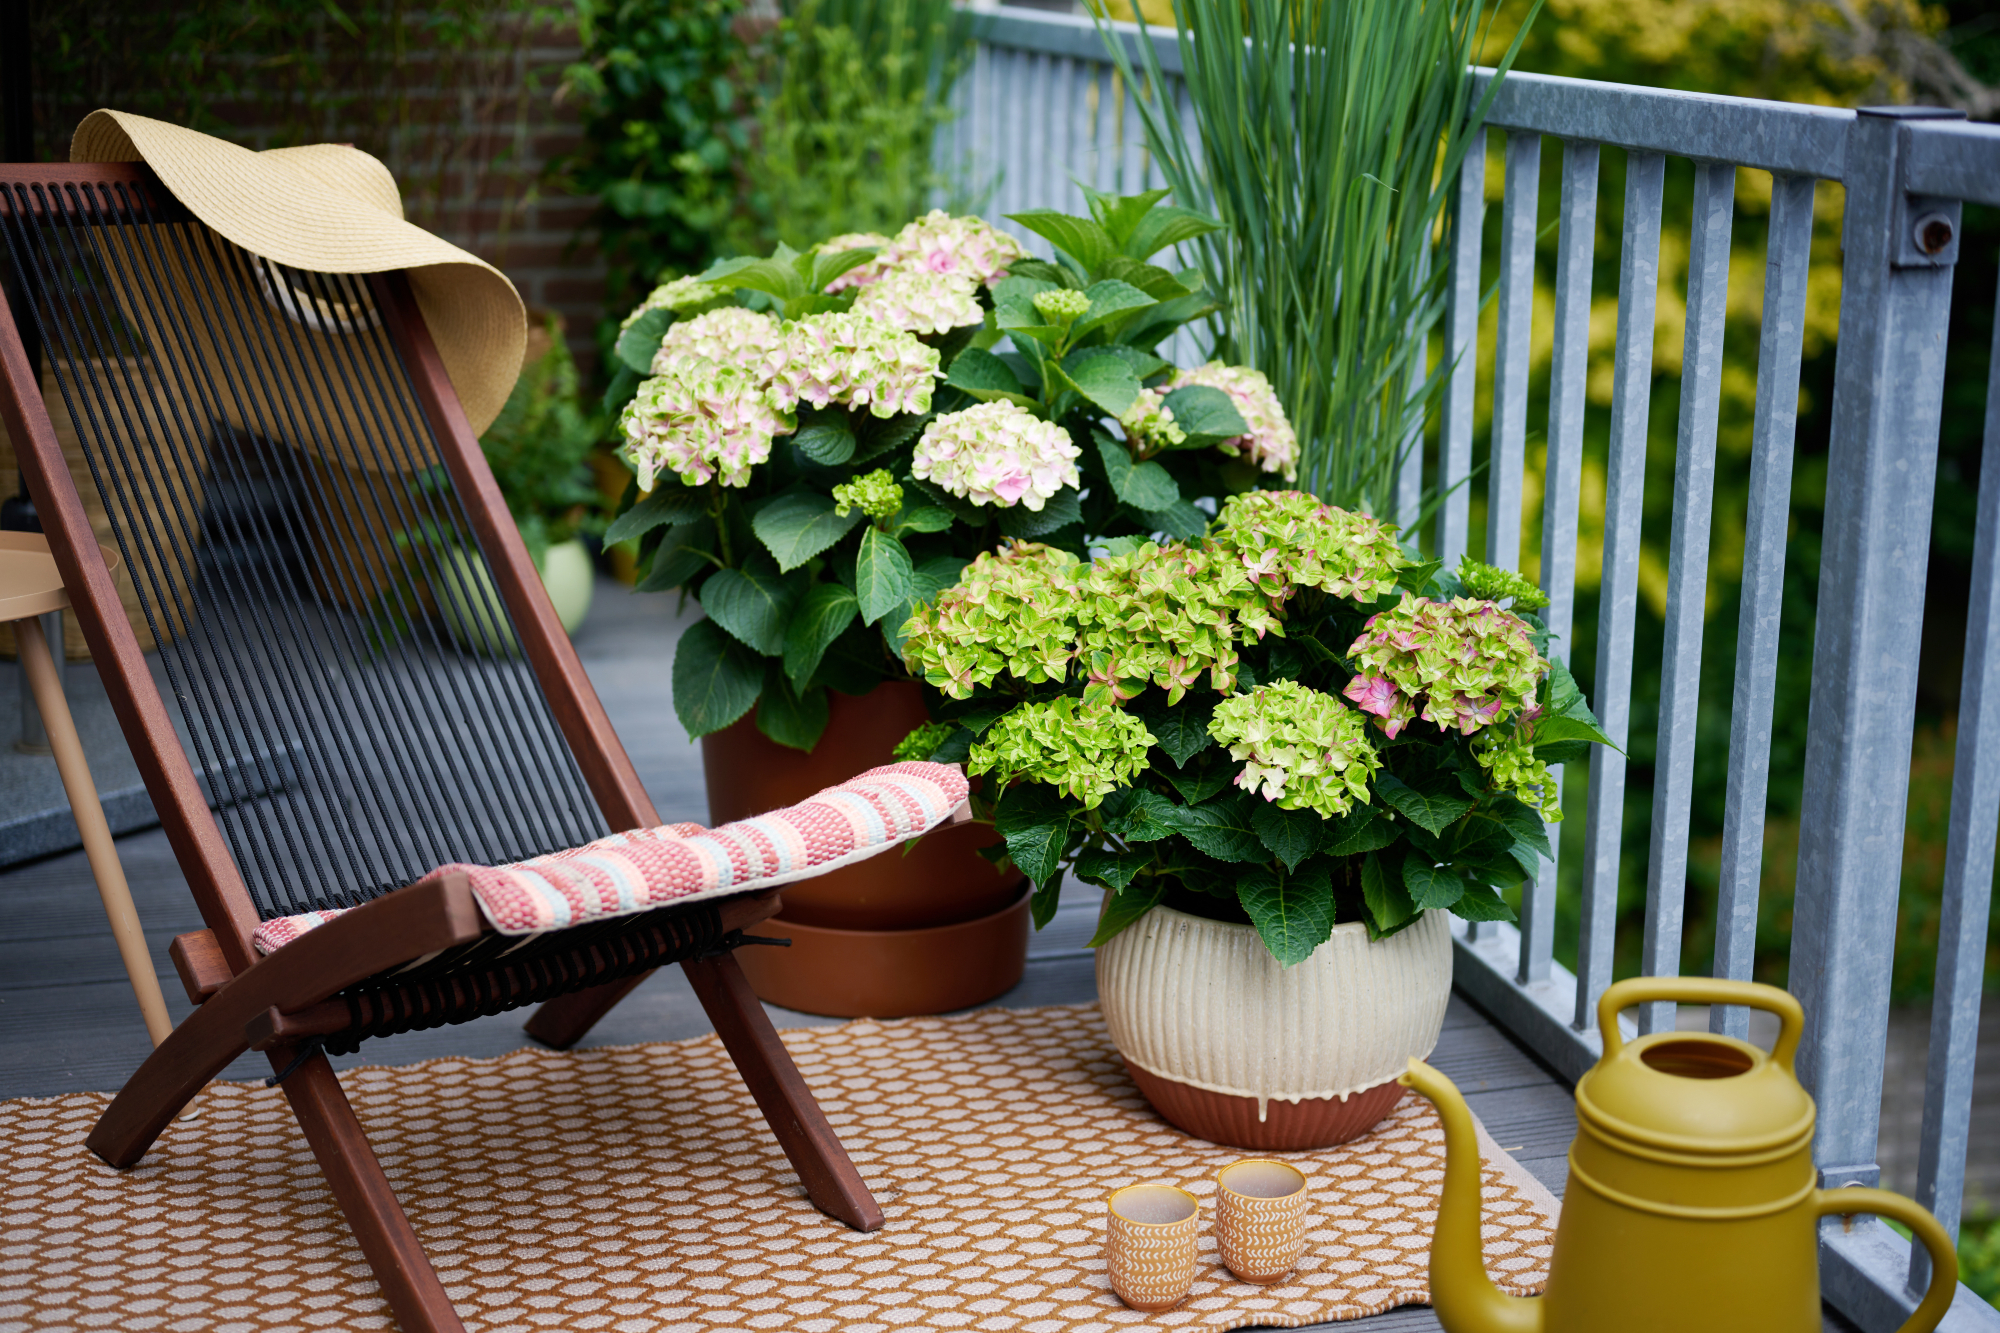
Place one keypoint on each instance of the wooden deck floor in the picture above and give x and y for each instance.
(68, 1023)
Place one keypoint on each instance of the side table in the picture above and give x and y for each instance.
(30, 587)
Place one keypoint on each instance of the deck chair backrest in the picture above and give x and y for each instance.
(346, 620)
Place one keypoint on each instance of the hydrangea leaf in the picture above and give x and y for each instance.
(1143, 365)
(668, 506)
(795, 528)
(1221, 829)
(753, 606)
(954, 749)
(1554, 753)
(877, 435)
(774, 276)
(641, 338)
(1118, 214)
(1167, 225)
(681, 556)
(1361, 829)
(792, 720)
(1081, 239)
(922, 518)
(1105, 380)
(1110, 868)
(624, 383)
(1432, 808)
(1481, 903)
(1207, 414)
(1292, 835)
(1136, 815)
(828, 266)
(1565, 715)
(1293, 914)
(828, 442)
(1179, 520)
(1144, 486)
(822, 616)
(1061, 510)
(1125, 906)
(1035, 821)
(1151, 279)
(986, 377)
(716, 678)
(1524, 824)
(1430, 886)
(1199, 783)
(883, 575)
(1180, 729)
(1113, 305)
(1389, 905)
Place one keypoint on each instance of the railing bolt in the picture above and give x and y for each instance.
(1933, 233)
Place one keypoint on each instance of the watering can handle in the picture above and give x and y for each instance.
(1944, 1258)
(1703, 990)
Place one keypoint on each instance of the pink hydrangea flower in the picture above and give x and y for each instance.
(965, 246)
(918, 301)
(997, 454)
(1271, 443)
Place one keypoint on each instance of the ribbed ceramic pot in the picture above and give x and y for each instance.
(1235, 1049)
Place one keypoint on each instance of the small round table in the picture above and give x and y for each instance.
(30, 587)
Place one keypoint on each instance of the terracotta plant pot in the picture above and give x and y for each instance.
(1235, 1049)
(898, 900)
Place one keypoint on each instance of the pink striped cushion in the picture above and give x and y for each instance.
(632, 872)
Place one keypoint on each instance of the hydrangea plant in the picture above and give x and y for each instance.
(821, 441)
(1286, 721)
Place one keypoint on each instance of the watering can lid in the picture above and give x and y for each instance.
(1698, 1092)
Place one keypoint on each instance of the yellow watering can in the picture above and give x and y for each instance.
(1690, 1202)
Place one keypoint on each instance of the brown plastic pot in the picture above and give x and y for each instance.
(891, 973)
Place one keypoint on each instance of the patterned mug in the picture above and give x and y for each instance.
(1150, 1245)
(1260, 1219)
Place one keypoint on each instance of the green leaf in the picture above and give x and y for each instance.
(1142, 364)
(829, 442)
(823, 614)
(1565, 715)
(1124, 907)
(1079, 238)
(1155, 323)
(1151, 279)
(619, 392)
(1293, 914)
(1562, 752)
(752, 606)
(988, 378)
(1206, 414)
(1058, 511)
(883, 575)
(1359, 830)
(1221, 828)
(793, 720)
(668, 505)
(1180, 729)
(1105, 380)
(795, 528)
(641, 339)
(683, 554)
(1048, 897)
(1482, 903)
(775, 276)
(716, 679)
(1035, 821)
(1430, 886)
(955, 748)
(1523, 823)
(1042, 271)
(1133, 814)
(1548, 730)
(878, 436)
(1119, 214)
(826, 266)
(1112, 306)
(1417, 577)
(853, 663)
(1388, 901)
(1179, 520)
(1199, 783)
(1431, 809)
(1110, 868)
(922, 518)
(1167, 225)
(1292, 835)
(1144, 486)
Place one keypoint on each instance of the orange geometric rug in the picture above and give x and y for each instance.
(637, 1190)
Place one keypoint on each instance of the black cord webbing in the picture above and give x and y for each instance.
(329, 628)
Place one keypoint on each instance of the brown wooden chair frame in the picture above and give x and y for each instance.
(277, 1003)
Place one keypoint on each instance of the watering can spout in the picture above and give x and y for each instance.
(1464, 1297)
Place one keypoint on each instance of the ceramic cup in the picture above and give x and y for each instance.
(1150, 1245)
(1260, 1219)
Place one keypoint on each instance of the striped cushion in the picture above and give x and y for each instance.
(632, 872)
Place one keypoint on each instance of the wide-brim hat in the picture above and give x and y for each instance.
(331, 208)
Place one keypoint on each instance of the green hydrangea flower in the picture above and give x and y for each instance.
(1471, 663)
(1290, 538)
(1490, 583)
(1508, 756)
(1061, 306)
(923, 742)
(1012, 610)
(1301, 749)
(677, 294)
(877, 495)
(1163, 615)
(1149, 423)
(1086, 751)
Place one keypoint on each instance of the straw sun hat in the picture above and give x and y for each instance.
(329, 208)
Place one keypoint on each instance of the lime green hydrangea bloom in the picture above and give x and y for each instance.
(1471, 663)
(1508, 756)
(1289, 539)
(676, 294)
(1012, 610)
(923, 742)
(876, 494)
(1301, 749)
(1061, 306)
(1163, 615)
(1086, 751)
(1490, 583)
(1149, 423)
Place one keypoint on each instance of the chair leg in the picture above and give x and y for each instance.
(409, 1283)
(830, 1179)
(563, 1021)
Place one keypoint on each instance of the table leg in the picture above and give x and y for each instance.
(90, 822)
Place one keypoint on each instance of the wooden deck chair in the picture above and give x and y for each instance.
(337, 589)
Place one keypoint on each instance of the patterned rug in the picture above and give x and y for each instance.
(637, 1190)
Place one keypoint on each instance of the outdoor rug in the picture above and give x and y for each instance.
(637, 1189)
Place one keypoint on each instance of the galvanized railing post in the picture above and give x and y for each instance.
(1887, 401)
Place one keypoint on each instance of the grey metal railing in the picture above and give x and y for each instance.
(1042, 105)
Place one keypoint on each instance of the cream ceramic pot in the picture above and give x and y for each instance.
(1236, 1049)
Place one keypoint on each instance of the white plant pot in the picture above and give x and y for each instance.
(469, 601)
(1235, 1048)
